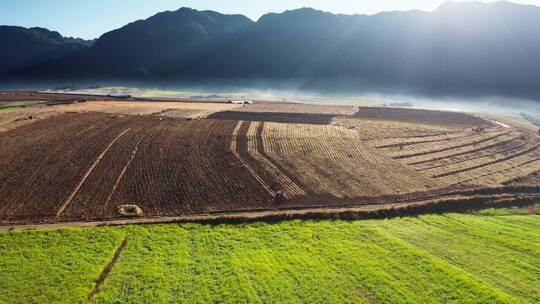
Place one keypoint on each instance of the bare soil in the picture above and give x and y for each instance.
(422, 116)
(295, 118)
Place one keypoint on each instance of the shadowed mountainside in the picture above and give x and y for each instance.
(22, 47)
(462, 48)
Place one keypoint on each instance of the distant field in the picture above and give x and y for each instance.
(153, 94)
(511, 119)
(282, 107)
(114, 88)
(5, 104)
(491, 257)
(443, 118)
(172, 109)
(10, 108)
(15, 118)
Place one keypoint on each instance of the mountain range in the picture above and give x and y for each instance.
(23, 47)
(461, 48)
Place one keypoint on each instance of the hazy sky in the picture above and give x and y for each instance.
(91, 18)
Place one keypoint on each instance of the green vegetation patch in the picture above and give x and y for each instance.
(314, 262)
(59, 266)
(151, 94)
(6, 104)
(451, 258)
(504, 255)
(114, 88)
(10, 109)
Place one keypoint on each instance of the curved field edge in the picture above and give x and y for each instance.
(451, 258)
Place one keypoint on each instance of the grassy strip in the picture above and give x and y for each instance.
(476, 202)
(10, 108)
(58, 266)
(20, 103)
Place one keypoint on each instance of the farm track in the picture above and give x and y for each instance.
(88, 172)
(37, 188)
(96, 193)
(133, 155)
(517, 198)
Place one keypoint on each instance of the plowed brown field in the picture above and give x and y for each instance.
(294, 118)
(78, 166)
(82, 166)
(421, 116)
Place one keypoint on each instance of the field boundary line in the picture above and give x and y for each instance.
(246, 165)
(452, 203)
(87, 174)
(105, 273)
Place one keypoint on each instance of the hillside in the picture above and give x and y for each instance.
(465, 48)
(23, 47)
(145, 47)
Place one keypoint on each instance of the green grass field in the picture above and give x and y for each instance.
(10, 108)
(18, 104)
(150, 94)
(488, 257)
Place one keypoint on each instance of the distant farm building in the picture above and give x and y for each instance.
(241, 102)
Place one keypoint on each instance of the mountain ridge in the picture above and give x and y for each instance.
(29, 46)
(467, 48)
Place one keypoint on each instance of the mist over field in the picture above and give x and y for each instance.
(335, 89)
(462, 51)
